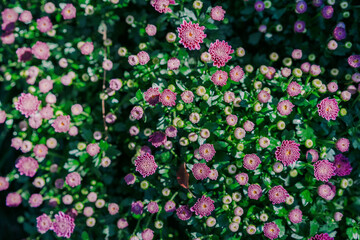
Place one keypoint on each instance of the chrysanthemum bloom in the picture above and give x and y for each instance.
(152, 96)
(184, 213)
(296, 54)
(4, 184)
(173, 63)
(251, 229)
(346, 95)
(264, 142)
(13, 199)
(288, 152)
(43, 223)
(231, 120)
(137, 207)
(217, 13)
(24, 54)
(301, 7)
(332, 45)
(143, 57)
(133, 60)
(146, 165)
(73, 179)
(170, 206)
(26, 146)
(134, 130)
(2, 117)
(248, 126)
(44, 24)
(324, 170)
(325, 191)
(285, 72)
(187, 96)
(200, 171)
(27, 166)
(278, 195)
(220, 53)
(41, 50)
(327, 12)
(147, 234)
(328, 109)
(151, 29)
(16, 143)
(251, 161)
(342, 165)
(354, 61)
(239, 133)
(213, 174)
(207, 151)
(234, 226)
(294, 89)
(45, 85)
(295, 215)
(88, 211)
(9, 15)
(285, 107)
(171, 131)
(40, 150)
(115, 84)
(61, 124)
(35, 200)
(113, 208)
(254, 191)
(69, 12)
(63, 225)
(47, 112)
(158, 138)
(219, 78)
(242, 178)
(315, 70)
(322, 236)
(137, 112)
(342, 144)
(162, 6)
(229, 97)
(338, 216)
(332, 87)
(122, 223)
(66, 80)
(203, 207)
(107, 64)
(339, 33)
(27, 104)
(191, 35)
(271, 230)
(87, 48)
(313, 154)
(92, 197)
(317, 3)
(259, 6)
(168, 98)
(299, 26)
(8, 38)
(263, 96)
(153, 207)
(49, 7)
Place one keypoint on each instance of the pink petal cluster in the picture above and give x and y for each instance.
(219, 78)
(288, 152)
(27, 104)
(293, 89)
(203, 207)
(200, 171)
(43, 223)
(207, 151)
(63, 225)
(285, 107)
(41, 50)
(324, 170)
(152, 96)
(168, 98)
(271, 230)
(73, 179)
(191, 35)
(254, 191)
(295, 215)
(87, 48)
(220, 53)
(184, 213)
(328, 109)
(342, 165)
(27, 166)
(162, 6)
(61, 124)
(278, 194)
(69, 12)
(217, 13)
(251, 161)
(44, 24)
(146, 165)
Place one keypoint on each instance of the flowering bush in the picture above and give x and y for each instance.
(147, 120)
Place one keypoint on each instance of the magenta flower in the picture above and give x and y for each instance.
(263, 96)
(259, 6)
(328, 109)
(322, 236)
(35, 200)
(294, 89)
(43, 223)
(343, 144)
(41, 50)
(158, 138)
(187, 96)
(299, 26)
(327, 12)
(171, 131)
(162, 6)
(301, 7)
(203, 207)
(254, 191)
(152, 96)
(113, 208)
(137, 207)
(278, 195)
(191, 35)
(4, 184)
(63, 225)
(339, 33)
(242, 178)
(184, 213)
(324, 170)
(9, 15)
(13, 199)
(27, 166)
(147, 234)
(288, 152)
(173, 63)
(220, 53)
(69, 12)
(295, 215)
(342, 165)
(251, 161)
(87, 48)
(143, 57)
(236, 74)
(153, 207)
(27, 104)
(137, 112)
(44, 24)
(354, 61)
(200, 171)
(326, 192)
(168, 98)
(146, 165)
(24, 54)
(285, 107)
(61, 124)
(170, 206)
(271, 230)
(219, 78)
(207, 151)
(217, 13)
(73, 179)
(130, 179)
(151, 29)
(314, 155)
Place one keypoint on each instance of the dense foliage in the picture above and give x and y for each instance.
(179, 119)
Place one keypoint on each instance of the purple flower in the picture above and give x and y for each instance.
(63, 225)
(203, 207)
(130, 179)
(271, 230)
(254, 191)
(322, 236)
(259, 6)
(327, 12)
(184, 213)
(278, 195)
(324, 170)
(299, 26)
(153, 207)
(339, 33)
(301, 7)
(207, 151)
(288, 152)
(200, 171)
(295, 215)
(137, 207)
(354, 61)
(145, 164)
(43, 223)
(157, 139)
(342, 165)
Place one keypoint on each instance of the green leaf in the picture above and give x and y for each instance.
(314, 227)
(306, 197)
(85, 235)
(139, 95)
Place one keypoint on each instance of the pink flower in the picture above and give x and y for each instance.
(16, 143)
(296, 54)
(248, 126)
(137, 112)
(326, 192)
(313, 154)
(27, 166)
(107, 64)
(342, 165)
(191, 35)
(213, 174)
(137, 207)
(158, 138)
(219, 78)
(8, 38)
(328, 109)
(242, 178)
(207, 151)
(9, 15)
(44, 24)
(40, 150)
(113, 208)
(35, 200)
(295, 215)
(130, 179)
(69, 12)
(47, 112)
(27, 104)
(187, 96)
(220, 53)
(200, 171)
(229, 97)
(203, 207)
(61, 124)
(25, 17)
(35, 121)
(254, 191)
(236, 74)
(133, 60)
(288, 153)
(162, 6)
(45, 85)
(173, 63)
(231, 120)
(143, 57)
(171, 131)
(184, 213)
(13, 199)
(167, 98)
(251, 161)
(324, 170)
(153, 207)
(2, 117)
(293, 89)
(271, 230)
(41, 50)
(73, 179)
(24, 54)
(122, 223)
(342, 144)
(63, 225)
(152, 96)
(115, 84)
(151, 29)
(217, 13)
(146, 165)
(322, 236)
(43, 223)
(92, 149)
(147, 234)
(87, 48)
(4, 184)
(263, 96)
(170, 206)
(278, 195)
(285, 107)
